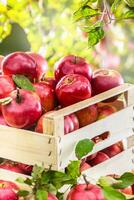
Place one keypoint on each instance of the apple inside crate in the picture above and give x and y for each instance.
(53, 148)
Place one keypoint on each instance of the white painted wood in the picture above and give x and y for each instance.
(27, 147)
(120, 125)
(118, 164)
(98, 98)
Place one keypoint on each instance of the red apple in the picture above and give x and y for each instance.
(127, 190)
(2, 120)
(91, 157)
(73, 88)
(85, 192)
(20, 63)
(84, 166)
(24, 109)
(51, 197)
(46, 94)
(9, 185)
(51, 81)
(72, 65)
(105, 111)
(6, 86)
(42, 65)
(70, 124)
(11, 166)
(8, 194)
(27, 169)
(112, 150)
(100, 157)
(87, 115)
(106, 79)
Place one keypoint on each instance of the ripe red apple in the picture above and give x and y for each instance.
(51, 81)
(105, 79)
(20, 63)
(85, 192)
(87, 115)
(9, 185)
(105, 111)
(8, 194)
(100, 157)
(51, 197)
(6, 86)
(73, 88)
(27, 169)
(11, 166)
(46, 94)
(2, 120)
(112, 150)
(84, 166)
(91, 157)
(24, 109)
(42, 65)
(72, 65)
(70, 124)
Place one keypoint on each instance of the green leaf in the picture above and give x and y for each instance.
(105, 181)
(23, 193)
(37, 172)
(127, 179)
(128, 15)
(85, 12)
(83, 147)
(60, 196)
(130, 3)
(28, 181)
(95, 35)
(23, 82)
(20, 180)
(56, 178)
(115, 4)
(112, 194)
(73, 169)
(41, 195)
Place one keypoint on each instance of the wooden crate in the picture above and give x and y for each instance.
(53, 148)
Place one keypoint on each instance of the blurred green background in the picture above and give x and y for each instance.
(47, 27)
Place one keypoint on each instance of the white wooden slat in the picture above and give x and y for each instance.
(120, 125)
(118, 164)
(27, 147)
(98, 98)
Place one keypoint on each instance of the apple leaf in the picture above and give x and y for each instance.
(105, 181)
(56, 178)
(130, 3)
(60, 196)
(41, 195)
(83, 147)
(95, 35)
(85, 12)
(129, 14)
(127, 179)
(73, 169)
(23, 82)
(23, 193)
(112, 194)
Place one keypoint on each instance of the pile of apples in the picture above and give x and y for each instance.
(74, 80)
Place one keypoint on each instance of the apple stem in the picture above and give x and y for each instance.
(18, 97)
(86, 181)
(75, 59)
